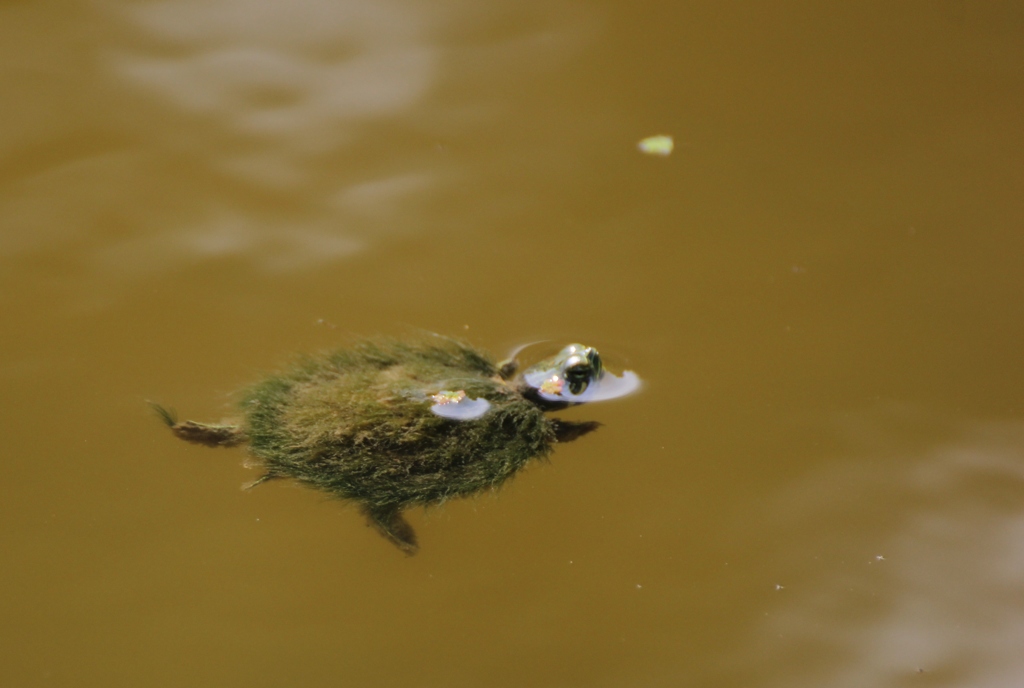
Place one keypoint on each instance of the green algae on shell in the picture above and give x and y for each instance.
(390, 424)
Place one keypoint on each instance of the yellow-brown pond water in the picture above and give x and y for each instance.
(822, 483)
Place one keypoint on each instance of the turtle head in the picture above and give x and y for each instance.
(579, 365)
(576, 375)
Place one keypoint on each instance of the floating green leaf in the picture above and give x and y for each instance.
(662, 145)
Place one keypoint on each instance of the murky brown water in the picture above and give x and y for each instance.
(822, 484)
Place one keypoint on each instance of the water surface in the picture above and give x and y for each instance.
(821, 483)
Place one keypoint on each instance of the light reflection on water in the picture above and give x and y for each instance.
(272, 90)
(290, 135)
(284, 81)
(906, 563)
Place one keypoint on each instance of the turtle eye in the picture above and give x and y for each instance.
(578, 376)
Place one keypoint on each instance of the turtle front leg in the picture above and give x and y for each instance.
(569, 430)
(508, 368)
(201, 433)
(389, 522)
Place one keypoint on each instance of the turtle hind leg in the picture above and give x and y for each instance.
(200, 433)
(259, 481)
(389, 522)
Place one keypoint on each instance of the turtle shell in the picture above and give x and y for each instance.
(362, 423)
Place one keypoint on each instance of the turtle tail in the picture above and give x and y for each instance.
(168, 415)
(200, 433)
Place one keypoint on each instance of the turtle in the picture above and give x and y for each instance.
(390, 423)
